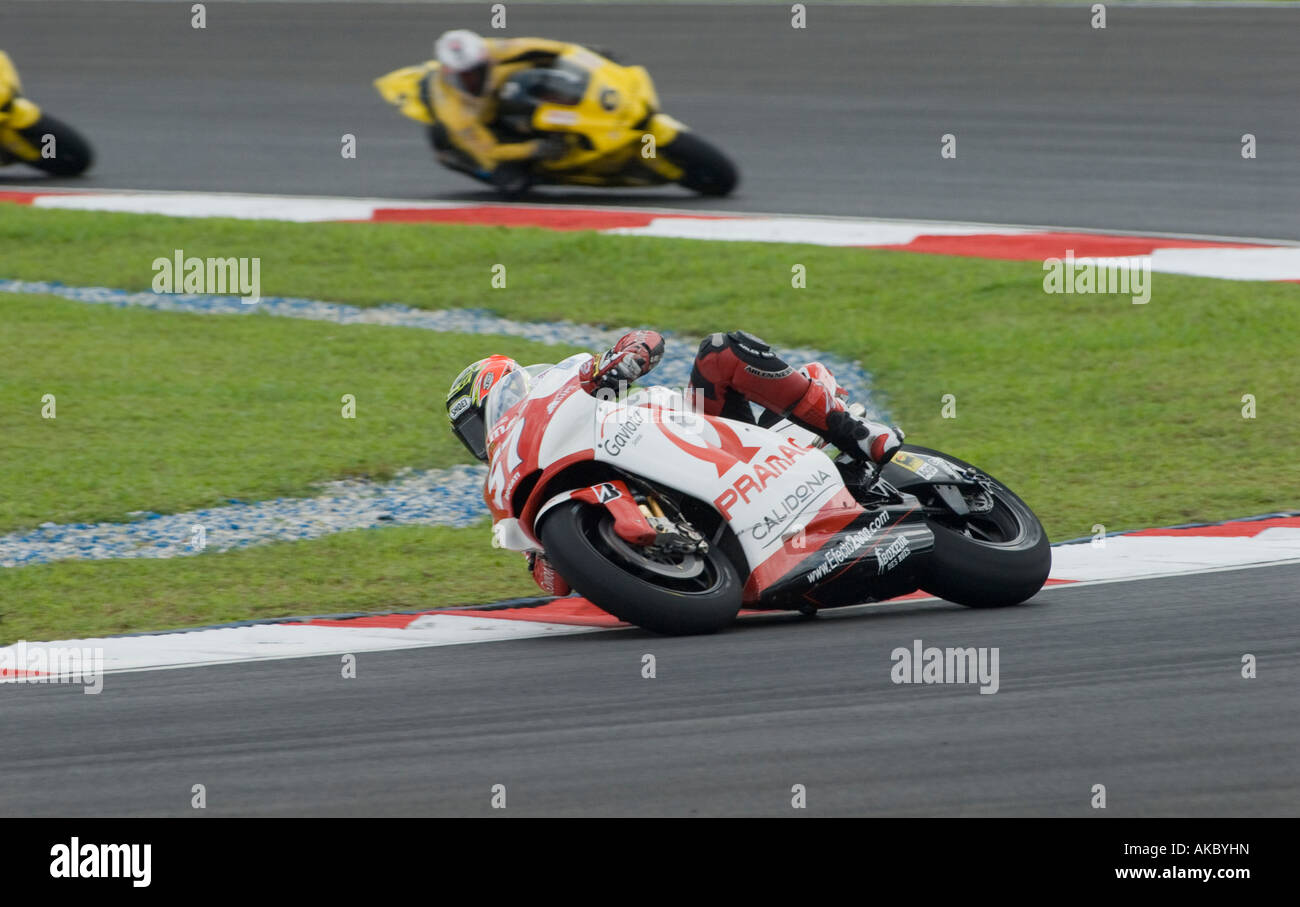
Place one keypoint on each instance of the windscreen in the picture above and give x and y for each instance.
(565, 84)
(509, 391)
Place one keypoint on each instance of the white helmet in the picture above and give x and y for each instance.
(464, 58)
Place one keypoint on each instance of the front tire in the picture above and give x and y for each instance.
(989, 560)
(708, 170)
(72, 153)
(579, 542)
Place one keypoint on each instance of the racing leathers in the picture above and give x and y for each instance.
(464, 135)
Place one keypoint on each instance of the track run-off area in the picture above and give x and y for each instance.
(451, 497)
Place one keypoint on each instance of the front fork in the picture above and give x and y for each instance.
(643, 523)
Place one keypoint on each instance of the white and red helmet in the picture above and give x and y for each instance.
(463, 56)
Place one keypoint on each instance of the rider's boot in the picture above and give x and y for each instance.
(733, 369)
(822, 409)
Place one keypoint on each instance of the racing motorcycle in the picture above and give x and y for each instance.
(608, 116)
(673, 520)
(33, 137)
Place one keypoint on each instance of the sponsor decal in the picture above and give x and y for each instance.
(753, 483)
(458, 408)
(560, 117)
(609, 99)
(723, 457)
(763, 373)
(501, 428)
(605, 492)
(847, 548)
(758, 352)
(560, 398)
(922, 467)
(894, 555)
(790, 506)
(628, 428)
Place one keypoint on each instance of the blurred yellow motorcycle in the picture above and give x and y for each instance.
(606, 115)
(31, 137)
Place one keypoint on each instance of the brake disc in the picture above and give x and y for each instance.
(652, 559)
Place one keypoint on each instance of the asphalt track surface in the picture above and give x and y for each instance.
(1134, 127)
(1136, 686)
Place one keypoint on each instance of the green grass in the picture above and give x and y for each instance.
(397, 569)
(1096, 410)
(167, 411)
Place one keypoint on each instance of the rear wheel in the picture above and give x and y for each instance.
(71, 153)
(997, 555)
(674, 595)
(708, 170)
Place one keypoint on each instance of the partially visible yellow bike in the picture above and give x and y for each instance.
(607, 115)
(29, 136)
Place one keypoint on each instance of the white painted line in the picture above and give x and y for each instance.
(803, 230)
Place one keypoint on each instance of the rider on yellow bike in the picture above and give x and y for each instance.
(463, 96)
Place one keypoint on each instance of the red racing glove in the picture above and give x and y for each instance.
(635, 354)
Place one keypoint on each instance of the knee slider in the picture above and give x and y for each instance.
(757, 355)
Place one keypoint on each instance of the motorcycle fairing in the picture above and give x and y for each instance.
(406, 90)
(879, 554)
(16, 111)
(805, 538)
(619, 108)
(541, 435)
(630, 524)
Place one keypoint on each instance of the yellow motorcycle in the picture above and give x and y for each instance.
(606, 116)
(33, 137)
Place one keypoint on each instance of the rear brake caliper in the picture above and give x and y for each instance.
(982, 500)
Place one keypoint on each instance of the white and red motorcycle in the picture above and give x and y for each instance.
(673, 520)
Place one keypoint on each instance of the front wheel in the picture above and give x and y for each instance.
(707, 170)
(995, 556)
(676, 596)
(70, 153)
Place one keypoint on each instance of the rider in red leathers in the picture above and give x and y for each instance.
(730, 371)
(736, 369)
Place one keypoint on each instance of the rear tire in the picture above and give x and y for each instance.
(708, 170)
(72, 153)
(984, 573)
(573, 540)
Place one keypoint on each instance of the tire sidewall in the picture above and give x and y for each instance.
(969, 573)
(628, 597)
(80, 156)
(707, 170)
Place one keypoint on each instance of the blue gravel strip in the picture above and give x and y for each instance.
(675, 370)
(435, 497)
(440, 497)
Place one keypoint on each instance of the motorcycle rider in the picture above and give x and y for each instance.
(730, 371)
(463, 98)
